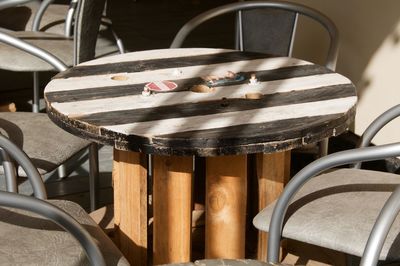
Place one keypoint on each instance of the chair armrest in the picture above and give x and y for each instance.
(39, 14)
(377, 125)
(58, 216)
(23, 160)
(316, 167)
(12, 3)
(381, 229)
(33, 50)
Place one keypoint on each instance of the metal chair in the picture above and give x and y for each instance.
(336, 209)
(257, 30)
(55, 18)
(49, 145)
(55, 36)
(29, 230)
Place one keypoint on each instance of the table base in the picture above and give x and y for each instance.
(226, 195)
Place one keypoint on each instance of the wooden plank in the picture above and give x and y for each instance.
(130, 205)
(217, 106)
(273, 172)
(226, 192)
(184, 84)
(8, 107)
(160, 63)
(172, 209)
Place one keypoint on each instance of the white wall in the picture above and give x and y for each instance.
(369, 55)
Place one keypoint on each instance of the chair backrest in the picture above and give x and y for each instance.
(266, 26)
(87, 23)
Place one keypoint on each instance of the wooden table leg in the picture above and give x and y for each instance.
(273, 171)
(226, 192)
(172, 211)
(130, 205)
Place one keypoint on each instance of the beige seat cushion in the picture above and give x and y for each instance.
(14, 59)
(20, 18)
(30, 239)
(46, 144)
(337, 210)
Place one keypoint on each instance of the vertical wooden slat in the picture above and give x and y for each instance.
(273, 172)
(226, 192)
(130, 205)
(172, 198)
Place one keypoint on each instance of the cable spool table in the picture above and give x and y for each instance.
(270, 105)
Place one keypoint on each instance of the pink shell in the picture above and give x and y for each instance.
(164, 85)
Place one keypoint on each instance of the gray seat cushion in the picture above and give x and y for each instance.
(29, 239)
(13, 59)
(20, 18)
(45, 143)
(337, 210)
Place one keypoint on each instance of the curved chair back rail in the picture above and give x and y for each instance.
(68, 18)
(12, 3)
(249, 5)
(381, 229)
(22, 159)
(377, 125)
(36, 51)
(316, 167)
(59, 217)
(39, 14)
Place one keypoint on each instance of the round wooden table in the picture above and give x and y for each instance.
(291, 103)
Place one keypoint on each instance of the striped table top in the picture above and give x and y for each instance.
(297, 102)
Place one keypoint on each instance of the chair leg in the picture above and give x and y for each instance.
(9, 172)
(93, 175)
(323, 147)
(36, 93)
(62, 171)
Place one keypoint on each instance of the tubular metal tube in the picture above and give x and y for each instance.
(325, 21)
(94, 185)
(36, 51)
(39, 14)
(69, 18)
(58, 216)
(11, 3)
(23, 160)
(377, 125)
(322, 164)
(36, 93)
(381, 229)
(9, 172)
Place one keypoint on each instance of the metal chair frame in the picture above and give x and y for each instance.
(67, 33)
(93, 148)
(333, 160)
(330, 27)
(39, 206)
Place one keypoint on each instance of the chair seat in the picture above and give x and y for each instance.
(20, 18)
(31, 239)
(40, 138)
(337, 210)
(14, 59)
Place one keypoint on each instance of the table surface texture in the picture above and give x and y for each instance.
(297, 102)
